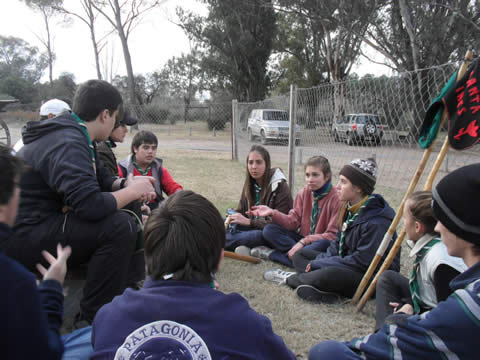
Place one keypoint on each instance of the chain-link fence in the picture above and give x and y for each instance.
(215, 116)
(371, 117)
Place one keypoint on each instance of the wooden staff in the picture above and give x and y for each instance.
(247, 258)
(428, 186)
(232, 255)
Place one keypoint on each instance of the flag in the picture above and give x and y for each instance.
(462, 103)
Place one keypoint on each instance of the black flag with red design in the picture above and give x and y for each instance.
(463, 105)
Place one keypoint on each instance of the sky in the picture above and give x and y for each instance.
(155, 40)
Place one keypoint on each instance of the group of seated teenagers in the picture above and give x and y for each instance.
(329, 262)
(69, 212)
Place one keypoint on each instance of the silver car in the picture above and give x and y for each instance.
(270, 124)
(359, 128)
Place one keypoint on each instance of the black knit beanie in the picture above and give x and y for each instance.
(362, 173)
(455, 202)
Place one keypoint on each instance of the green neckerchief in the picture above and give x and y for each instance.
(109, 143)
(413, 282)
(351, 217)
(83, 126)
(317, 196)
(139, 169)
(258, 190)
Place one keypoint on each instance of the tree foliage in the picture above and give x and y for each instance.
(237, 37)
(417, 34)
(21, 66)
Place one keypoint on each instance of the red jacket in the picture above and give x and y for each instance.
(299, 216)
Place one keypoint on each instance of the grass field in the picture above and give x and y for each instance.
(202, 162)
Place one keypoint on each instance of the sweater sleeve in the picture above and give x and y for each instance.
(34, 318)
(293, 219)
(168, 184)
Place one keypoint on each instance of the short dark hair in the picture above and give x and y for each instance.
(184, 237)
(93, 97)
(12, 169)
(320, 162)
(143, 137)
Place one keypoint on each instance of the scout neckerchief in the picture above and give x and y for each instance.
(317, 196)
(109, 143)
(352, 214)
(258, 190)
(139, 169)
(413, 282)
(83, 126)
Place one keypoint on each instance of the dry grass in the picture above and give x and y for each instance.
(299, 323)
(212, 173)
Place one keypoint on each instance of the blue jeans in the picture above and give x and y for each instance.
(332, 350)
(78, 344)
(282, 240)
(243, 236)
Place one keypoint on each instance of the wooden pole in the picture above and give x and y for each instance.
(428, 186)
(247, 258)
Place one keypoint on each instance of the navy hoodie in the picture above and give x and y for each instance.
(180, 316)
(31, 316)
(61, 173)
(362, 239)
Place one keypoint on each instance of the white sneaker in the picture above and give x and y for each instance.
(261, 252)
(242, 250)
(277, 275)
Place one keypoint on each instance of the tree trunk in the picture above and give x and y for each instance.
(126, 53)
(91, 25)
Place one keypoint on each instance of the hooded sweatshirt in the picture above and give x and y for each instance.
(61, 173)
(362, 239)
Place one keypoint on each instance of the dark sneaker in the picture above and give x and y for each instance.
(310, 293)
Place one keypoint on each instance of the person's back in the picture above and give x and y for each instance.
(178, 311)
(31, 318)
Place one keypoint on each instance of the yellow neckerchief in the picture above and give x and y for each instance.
(353, 209)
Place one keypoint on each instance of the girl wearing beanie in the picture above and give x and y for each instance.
(450, 330)
(311, 222)
(363, 221)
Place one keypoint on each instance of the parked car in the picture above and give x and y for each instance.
(359, 128)
(270, 124)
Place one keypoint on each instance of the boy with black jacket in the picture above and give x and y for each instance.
(68, 197)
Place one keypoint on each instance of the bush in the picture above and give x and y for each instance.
(154, 114)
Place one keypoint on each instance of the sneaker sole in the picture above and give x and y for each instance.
(309, 293)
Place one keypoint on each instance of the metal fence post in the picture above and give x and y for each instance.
(234, 129)
(292, 137)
